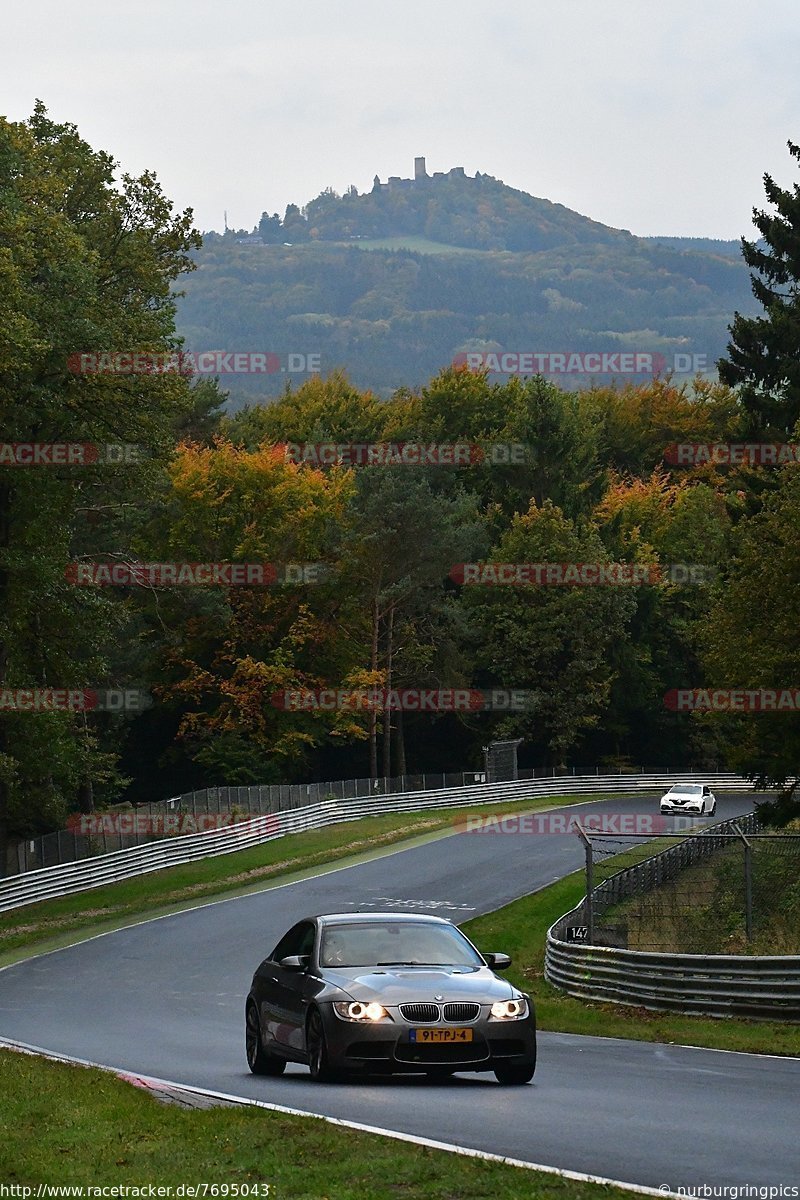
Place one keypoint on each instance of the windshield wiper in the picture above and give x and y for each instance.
(411, 962)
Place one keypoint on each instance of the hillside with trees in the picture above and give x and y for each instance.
(395, 284)
(480, 213)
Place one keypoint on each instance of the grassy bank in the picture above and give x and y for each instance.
(703, 910)
(72, 1125)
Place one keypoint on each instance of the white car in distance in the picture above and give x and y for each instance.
(689, 798)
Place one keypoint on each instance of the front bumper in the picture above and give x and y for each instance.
(695, 809)
(387, 1047)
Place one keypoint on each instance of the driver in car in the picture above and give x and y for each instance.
(335, 955)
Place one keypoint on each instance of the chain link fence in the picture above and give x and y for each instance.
(732, 890)
(121, 827)
(124, 826)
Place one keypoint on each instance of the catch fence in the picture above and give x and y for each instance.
(709, 924)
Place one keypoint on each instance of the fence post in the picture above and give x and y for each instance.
(748, 884)
(589, 884)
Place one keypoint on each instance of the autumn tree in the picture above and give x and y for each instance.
(87, 263)
(328, 409)
(225, 653)
(637, 423)
(680, 528)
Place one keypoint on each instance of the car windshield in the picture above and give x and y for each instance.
(407, 943)
(688, 789)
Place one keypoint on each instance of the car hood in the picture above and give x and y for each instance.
(399, 985)
(682, 796)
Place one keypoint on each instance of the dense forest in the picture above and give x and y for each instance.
(92, 265)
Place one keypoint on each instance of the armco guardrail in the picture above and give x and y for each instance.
(64, 880)
(89, 836)
(719, 985)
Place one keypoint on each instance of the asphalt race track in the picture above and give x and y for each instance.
(166, 998)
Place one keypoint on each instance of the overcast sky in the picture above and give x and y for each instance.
(657, 117)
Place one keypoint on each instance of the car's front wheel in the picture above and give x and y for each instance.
(317, 1049)
(259, 1062)
(512, 1074)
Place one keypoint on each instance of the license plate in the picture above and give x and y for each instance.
(440, 1035)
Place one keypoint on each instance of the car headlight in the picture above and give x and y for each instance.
(509, 1010)
(356, 1010)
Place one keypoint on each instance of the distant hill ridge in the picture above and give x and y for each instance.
(449, 208)
(396, 283)
(475, 212)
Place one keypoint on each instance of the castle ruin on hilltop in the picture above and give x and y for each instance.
(420, 176)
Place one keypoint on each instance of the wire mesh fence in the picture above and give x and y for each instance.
(125, 826)
(734, 889)
(209, 808)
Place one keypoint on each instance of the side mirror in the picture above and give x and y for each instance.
(498, 961)
(295, 962)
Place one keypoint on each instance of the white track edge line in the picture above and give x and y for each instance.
(396, 1134)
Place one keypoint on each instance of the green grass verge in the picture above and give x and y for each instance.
(75, 1125)
(520, 930)
(53, 923)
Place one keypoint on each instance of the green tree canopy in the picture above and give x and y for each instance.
(750, 637)
(552, 641)
(87, 263)
(764, 352)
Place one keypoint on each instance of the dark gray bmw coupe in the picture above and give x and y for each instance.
(386, 992)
